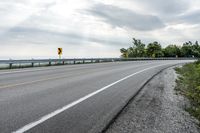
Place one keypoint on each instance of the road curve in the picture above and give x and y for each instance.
(73, 99)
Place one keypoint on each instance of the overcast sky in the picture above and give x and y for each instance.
(92, 28)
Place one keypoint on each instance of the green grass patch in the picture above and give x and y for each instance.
(188, 84)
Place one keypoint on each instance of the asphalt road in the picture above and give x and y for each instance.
(72, 99)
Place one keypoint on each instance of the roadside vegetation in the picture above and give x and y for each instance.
(155, 50)
(188, 84)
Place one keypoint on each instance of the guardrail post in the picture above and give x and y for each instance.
(10, 65)
(49, 63)
(63, 63)
(83, 61)
(74, 62)
(32, 64)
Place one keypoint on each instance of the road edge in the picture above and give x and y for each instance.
(134, 96)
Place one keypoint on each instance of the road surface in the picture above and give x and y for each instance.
(73, 99)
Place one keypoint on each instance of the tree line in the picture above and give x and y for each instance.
(155, 50)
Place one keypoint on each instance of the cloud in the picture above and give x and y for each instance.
(14, 13)
(125, 18)
(191, 17)
(39, 36)
(91, 25)
(166, 7)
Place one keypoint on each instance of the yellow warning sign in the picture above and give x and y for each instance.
(60, 51)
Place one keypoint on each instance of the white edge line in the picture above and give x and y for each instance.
(21, 71)
(58, 111)
(31, 70)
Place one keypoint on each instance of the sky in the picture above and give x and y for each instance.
(92, 28)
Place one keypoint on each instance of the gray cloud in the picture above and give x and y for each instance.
(191, 18)
(120, 17)
(53, 23)
(171, 7)
(39, 36)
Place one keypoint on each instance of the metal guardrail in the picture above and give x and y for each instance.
(49, 62)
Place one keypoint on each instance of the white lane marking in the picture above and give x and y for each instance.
(58, 111)
(41, 69)
(34, 69)
(12, 72)
(44, 79)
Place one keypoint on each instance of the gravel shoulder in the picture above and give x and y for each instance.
(157, 109)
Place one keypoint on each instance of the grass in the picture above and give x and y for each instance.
(188, 84)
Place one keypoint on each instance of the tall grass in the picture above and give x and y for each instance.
(188, 84)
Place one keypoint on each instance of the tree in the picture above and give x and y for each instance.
(139, 48)
(172, 51)
(196, 49)
(124, 52)
(186, 49)
(154, 50)
(190, 50)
